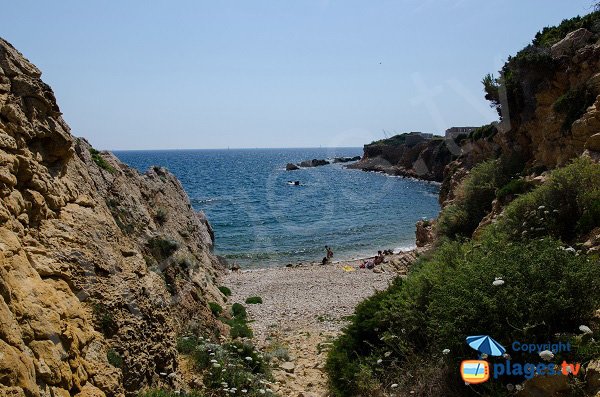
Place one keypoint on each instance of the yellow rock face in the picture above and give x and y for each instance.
(79, 280)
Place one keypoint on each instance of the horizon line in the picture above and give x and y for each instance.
(236, 148)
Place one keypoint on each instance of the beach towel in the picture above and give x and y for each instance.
(348, 268)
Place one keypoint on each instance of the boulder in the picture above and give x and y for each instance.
(346, 159)
(313, 163)
(424, 233)
(545, 386)
(571, 42)
(593, 143)
(291, 167)
(288, 366)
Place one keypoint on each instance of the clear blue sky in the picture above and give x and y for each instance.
(271, 73)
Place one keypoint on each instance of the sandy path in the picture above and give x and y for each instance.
(303, 309)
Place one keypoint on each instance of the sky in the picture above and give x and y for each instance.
(196, 74)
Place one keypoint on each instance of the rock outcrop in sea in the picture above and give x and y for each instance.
(319, 162)
(407, 155)
(101, 266)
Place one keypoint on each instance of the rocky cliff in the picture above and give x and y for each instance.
(548, 100)
(408, 155)
(100, 266)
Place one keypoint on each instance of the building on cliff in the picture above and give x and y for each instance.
(453, 132)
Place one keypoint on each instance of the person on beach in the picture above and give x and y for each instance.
(378, 260)
(329, 252)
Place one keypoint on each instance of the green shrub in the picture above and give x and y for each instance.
(161, 216)
(552, 35)
(254, 300)
(450, 295)
(573, 104)
(235, 364)
(484, 132)
(114, 358)
(169, 393)
(187, 344)
(475, 195)
(225, 291)
(566, 206)
(105, 320)
(101, 162)
(240, 329)
(473, 201)
(162, 248)
(215, 308)
(239, 311)
(512, 188)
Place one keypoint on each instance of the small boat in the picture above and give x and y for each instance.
(294, 183)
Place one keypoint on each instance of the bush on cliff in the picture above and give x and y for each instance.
(573, 104)
(162, 248)
(475, 195)
(100, 162)
(449, 296)
(552, 35)
(565, 207)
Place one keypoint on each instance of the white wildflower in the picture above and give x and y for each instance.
(248, 359)
(262, 391)
(213, 361)
(394, 385)
(387, 354)
(244, 391)
(446, 351)
(216, 365)
(379, 361)
(585, 329)
(498, 282)
(546, 355)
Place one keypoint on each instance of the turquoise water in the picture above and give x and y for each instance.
(261, 220)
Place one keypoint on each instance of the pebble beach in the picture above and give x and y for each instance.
(304, 308)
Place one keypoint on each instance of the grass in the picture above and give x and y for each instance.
(101, 162)
(254, 300)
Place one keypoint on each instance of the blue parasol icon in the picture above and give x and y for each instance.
(486, 345)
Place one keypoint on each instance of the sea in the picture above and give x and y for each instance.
(260, 219)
